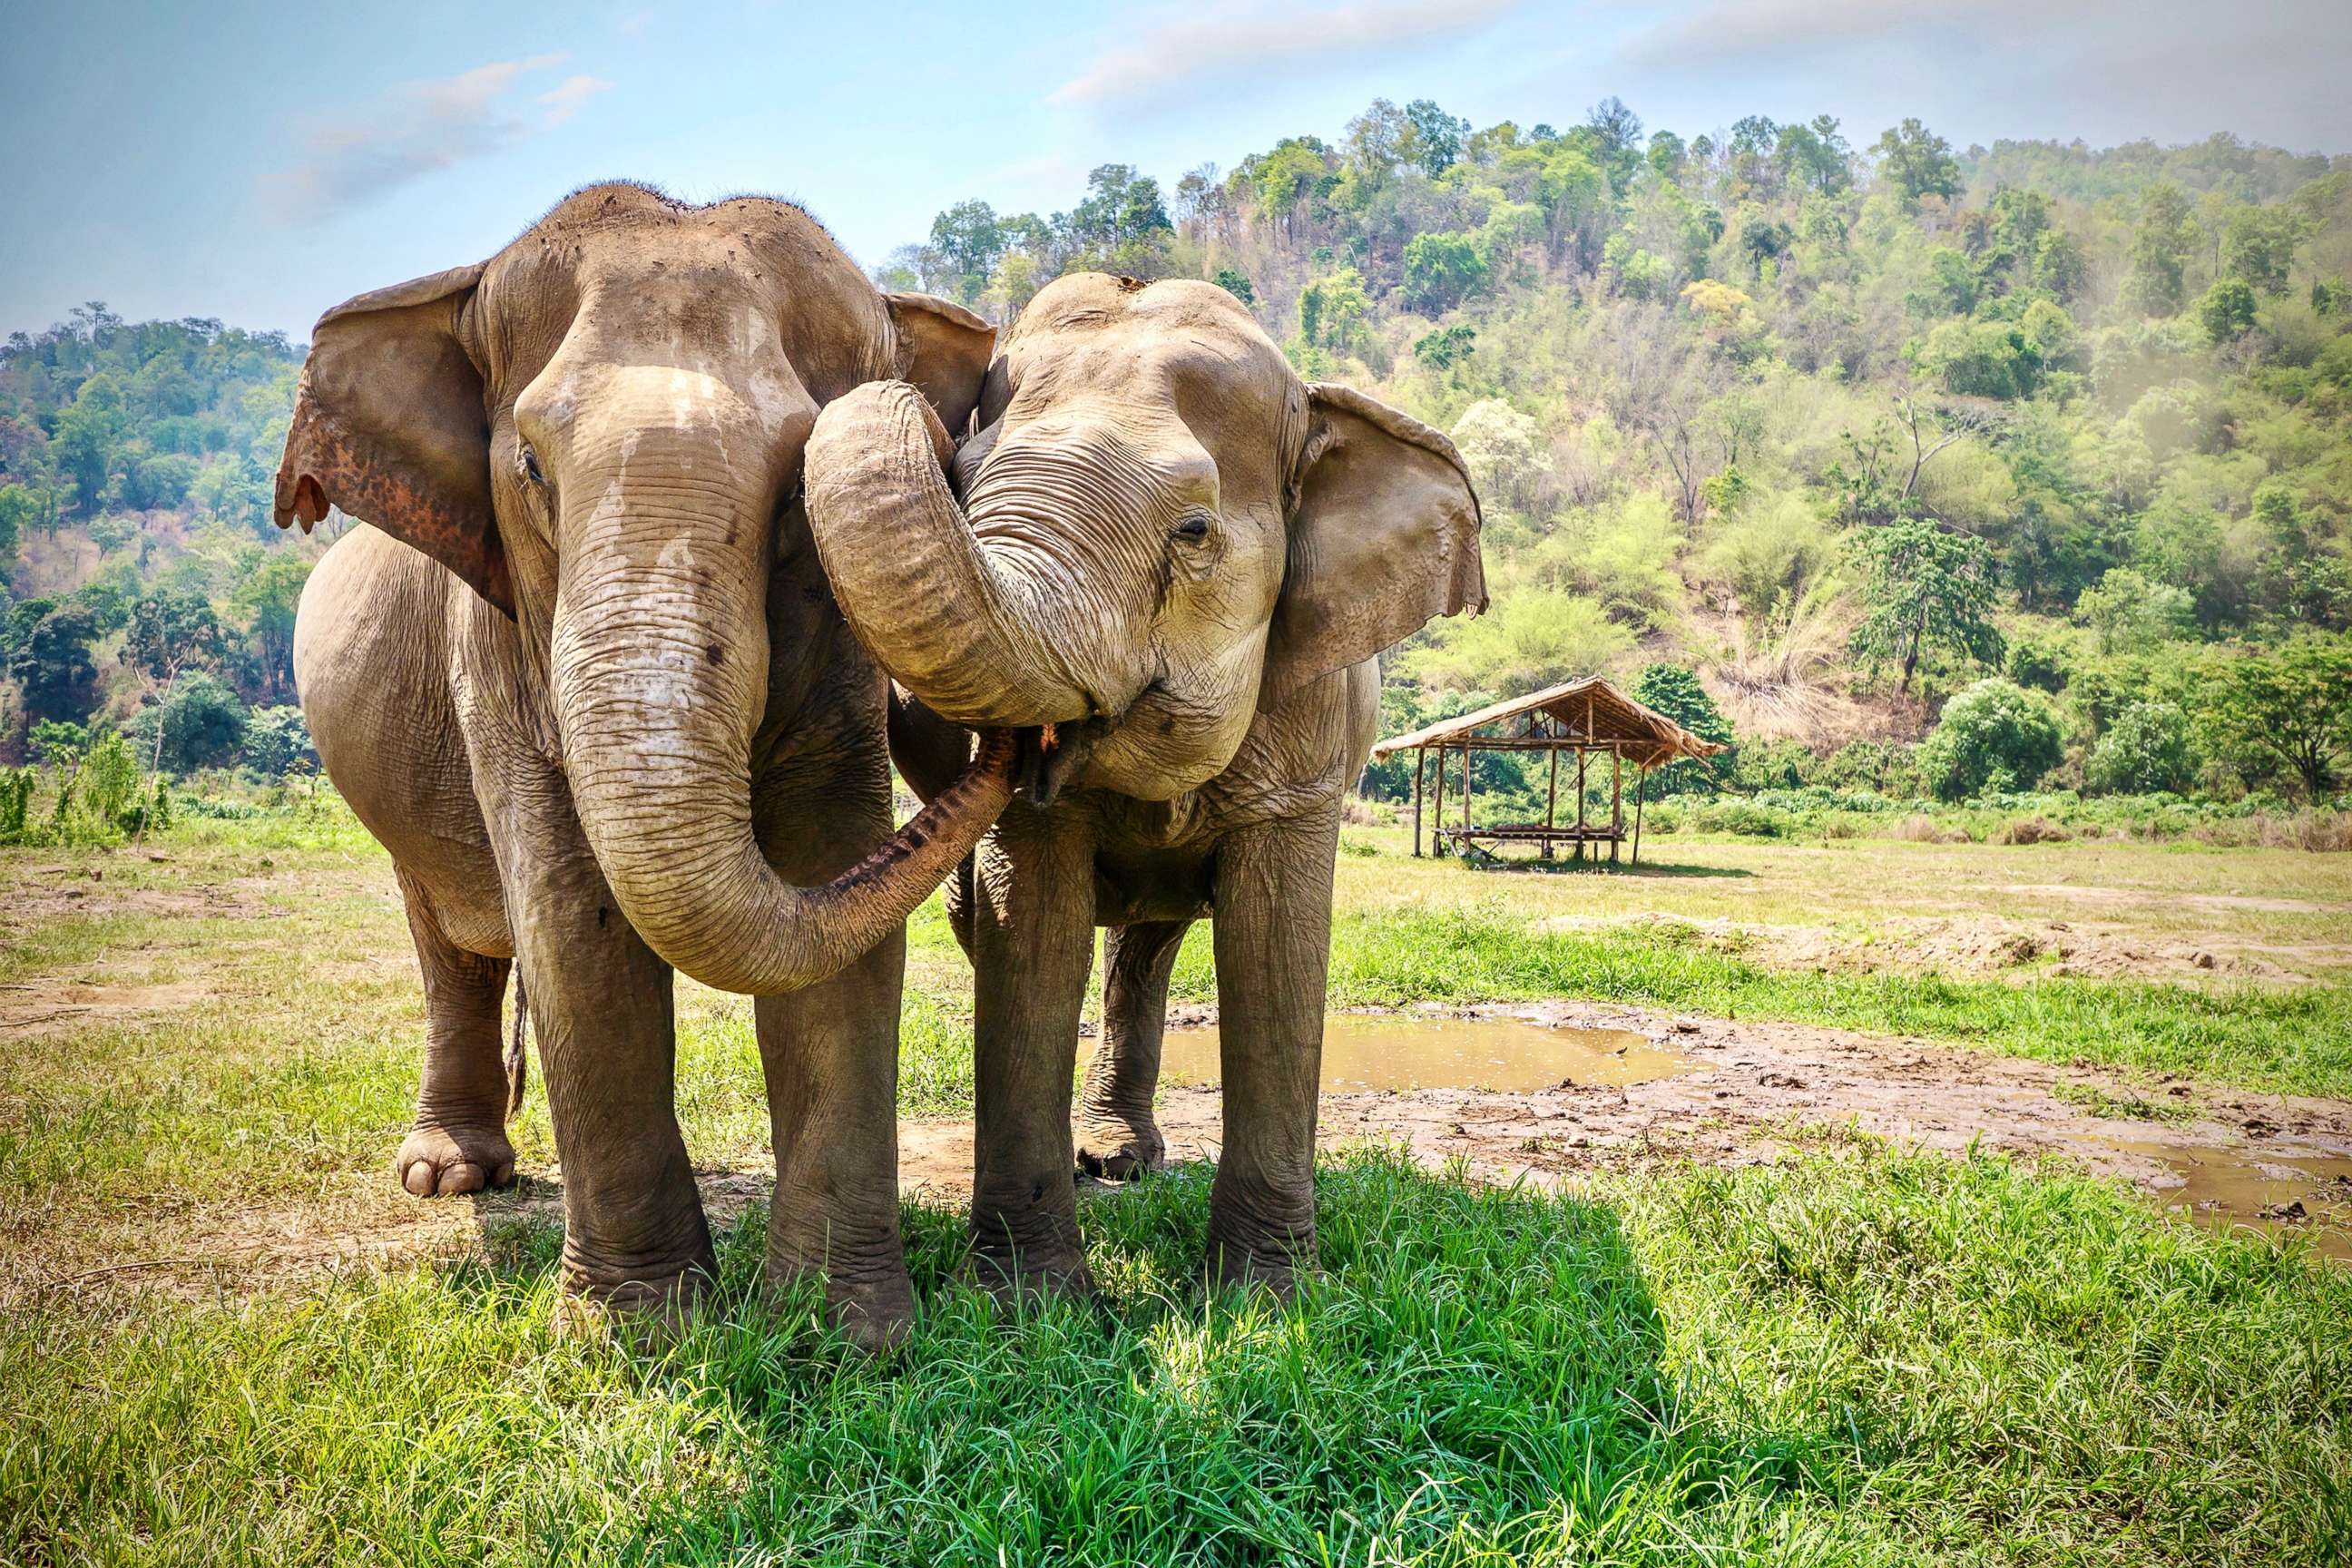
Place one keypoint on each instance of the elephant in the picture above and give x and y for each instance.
(580, 672)
(1173, 556)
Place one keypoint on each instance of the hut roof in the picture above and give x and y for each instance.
(1590, 710)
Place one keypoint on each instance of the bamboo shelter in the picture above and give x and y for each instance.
(1588, 719)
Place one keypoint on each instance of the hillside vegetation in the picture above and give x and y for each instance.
(1917, 472)
(1846, 430)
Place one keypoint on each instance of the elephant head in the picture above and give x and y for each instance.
(600, 429)
(1161, 526)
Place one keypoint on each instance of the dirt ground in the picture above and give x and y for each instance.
(116, 942)
(1750, 1092)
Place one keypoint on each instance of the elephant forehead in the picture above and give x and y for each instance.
(675, 284)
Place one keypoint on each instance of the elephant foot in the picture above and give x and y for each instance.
(648, 1312)
(873, 1309)
(442, 1161)
(1010, 1281)
(1271, 1261)
(1121, 1148)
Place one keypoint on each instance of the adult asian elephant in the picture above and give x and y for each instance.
(585, 678)
(1163, 544)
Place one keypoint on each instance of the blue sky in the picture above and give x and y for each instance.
(260, 161)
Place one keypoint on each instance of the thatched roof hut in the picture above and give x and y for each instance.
(1584, 717)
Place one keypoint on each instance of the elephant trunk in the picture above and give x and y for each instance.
(979, 625)
(659, 659)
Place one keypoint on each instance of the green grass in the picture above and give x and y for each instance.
(2284, 1040)
(1864, 1357)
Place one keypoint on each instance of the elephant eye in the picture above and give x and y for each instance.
(530, 465)
(1195, 526)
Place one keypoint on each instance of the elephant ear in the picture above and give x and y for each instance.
(1383, 536)
(390, 425)
(944, 351)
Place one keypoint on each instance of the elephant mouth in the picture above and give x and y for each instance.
(1045, 757)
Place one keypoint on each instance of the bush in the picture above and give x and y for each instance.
(1995, 737)
(2038, 663)
(2145, 751)
(203, 724)
(277, 739)
(1887, 768)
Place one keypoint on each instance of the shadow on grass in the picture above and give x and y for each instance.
(1473, 1370)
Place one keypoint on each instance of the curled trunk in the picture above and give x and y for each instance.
(975, 637)
(659, 675)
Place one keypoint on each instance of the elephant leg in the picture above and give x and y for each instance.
(1273, 932)
(1120, 1140)
(1033, 941)
(460, 1141)
(831, 1056)
(634, 1234)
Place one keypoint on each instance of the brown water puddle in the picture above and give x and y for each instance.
(1364, 1052)
(2310, 1194)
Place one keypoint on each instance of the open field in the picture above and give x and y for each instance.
(1874, 1283)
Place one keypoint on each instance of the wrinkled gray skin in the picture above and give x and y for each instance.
(583, 677)
(1163, 544)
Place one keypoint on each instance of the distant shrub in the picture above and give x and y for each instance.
(1742, 817)
(203, 724)
(1887, 768)
(2145, 751)
(2031, 830)
(2038, 663)
(1994, 737)
(277, 739)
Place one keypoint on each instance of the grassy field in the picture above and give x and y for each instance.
(1858, 1355)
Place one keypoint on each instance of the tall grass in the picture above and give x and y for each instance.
(1870, 1358)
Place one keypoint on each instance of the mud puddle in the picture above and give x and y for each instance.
(2227, 1187)
(1369, 1053)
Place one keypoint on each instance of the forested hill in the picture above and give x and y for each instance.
(1845, 429)
(1841, 428)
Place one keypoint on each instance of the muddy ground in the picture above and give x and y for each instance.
(1741, 1093)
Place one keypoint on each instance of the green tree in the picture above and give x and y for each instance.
(1674, 690)
(2162, 242)
(172, 630)
(2258, 244)
(1236, 283)
(203, 724)
(49, 659)
(1993, 738)
(277, 739)
(1331, 312)
(1441, 270)
(2288, 711)
(2227, 311)
(2147, 749)
(968, 236)
(1923, 590)
(1917, 163)
(1435, 139)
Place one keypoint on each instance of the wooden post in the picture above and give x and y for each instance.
(1640, 790)
(1616, 802)
(1420, 774)
(1582, 756)
(1466, 795)
(1551, 801)
(1437, 813)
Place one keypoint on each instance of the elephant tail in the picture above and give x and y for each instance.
(517, 1062)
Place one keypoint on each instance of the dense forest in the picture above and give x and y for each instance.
(1917, 472)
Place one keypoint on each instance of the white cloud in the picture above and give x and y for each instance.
(1190, 53)
(421, 127)
(565, 101)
